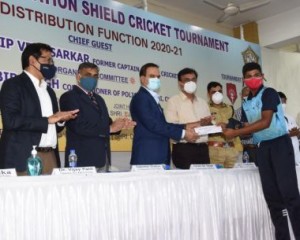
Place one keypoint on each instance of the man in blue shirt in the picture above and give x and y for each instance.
(275, 156)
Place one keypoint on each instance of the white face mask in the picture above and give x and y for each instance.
(190, 87)
(153, 84)
(245, 99)
(283, 107)
(217, 98)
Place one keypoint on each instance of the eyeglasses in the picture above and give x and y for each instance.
(49, 60)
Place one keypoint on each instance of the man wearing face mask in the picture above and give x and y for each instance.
(275, 155)
(221, 150)
(183, 108)
(293, 128)
(89, 133)
(30, 113)
(152, 133)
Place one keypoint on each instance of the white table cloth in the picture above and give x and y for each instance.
(208, 204)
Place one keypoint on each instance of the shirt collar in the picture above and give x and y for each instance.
(222, 105)
(153, 94)
(250, 96)
(85, 91)
(37, 83)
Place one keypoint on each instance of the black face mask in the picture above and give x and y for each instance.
(48, 70)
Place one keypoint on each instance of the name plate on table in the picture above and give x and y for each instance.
(245, 165)
(205, 130)
(74, 171)
(150, 167)
(205, 166)
(10, 172)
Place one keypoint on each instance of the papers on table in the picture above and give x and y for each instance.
(205, 130)
(10, 172)
(150, 167)
(205, 166)
(74, 171)
(245, 165)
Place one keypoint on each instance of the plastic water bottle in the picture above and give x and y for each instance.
(72, 158)
(167, 167)
(245, 157)
(34, 163)
(219, 165)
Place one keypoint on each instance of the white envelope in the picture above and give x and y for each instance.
(208, 129)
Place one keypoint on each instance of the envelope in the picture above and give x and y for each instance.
(205, 130)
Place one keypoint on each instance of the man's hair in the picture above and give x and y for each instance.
(144, 68)
(213, 85)
(186, 71)
(251, 66)
(87, 65)
(282, 95)
(33, 49)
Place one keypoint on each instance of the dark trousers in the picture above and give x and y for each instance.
(277, 171)
(185, 154)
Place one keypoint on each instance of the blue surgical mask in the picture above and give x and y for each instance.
(153, 84)
(88, 83)
(283, 107)
(48, 70)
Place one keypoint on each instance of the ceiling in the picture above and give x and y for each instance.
(199, 7)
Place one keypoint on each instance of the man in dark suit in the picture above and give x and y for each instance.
(30, 112)
(152, 133)
(88, 134)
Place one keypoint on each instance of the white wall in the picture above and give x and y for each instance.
(280, 30)
(282, 71)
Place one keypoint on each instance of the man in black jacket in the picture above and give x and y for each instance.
(88, 134)
(30, 113)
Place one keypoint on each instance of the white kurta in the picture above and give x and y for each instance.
(291, 123)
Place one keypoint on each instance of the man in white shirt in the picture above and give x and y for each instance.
(30, 113)
(187, 107)
(293, 128)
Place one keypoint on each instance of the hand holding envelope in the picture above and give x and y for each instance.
(205, 130)
(206, 126)
(202, 122)
(206, 120)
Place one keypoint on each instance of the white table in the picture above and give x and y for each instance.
(202, 205)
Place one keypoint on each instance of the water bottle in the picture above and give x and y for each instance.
(167, 167)
(245, 157)
(72, 158)
(34, 163)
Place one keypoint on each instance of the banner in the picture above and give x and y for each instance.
(119, 39)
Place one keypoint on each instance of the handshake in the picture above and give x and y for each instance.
(190, 133)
